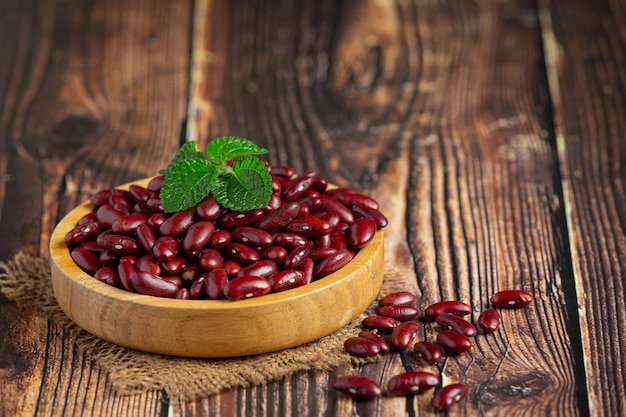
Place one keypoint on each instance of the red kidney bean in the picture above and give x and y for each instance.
(155, 204)
(291, 240)
(262, 268)
(91, 246)
(165, 248)
(456, 324)
(357, 386)
(312, 202)
(297, 188)
(412, 382)
(106, 257)
(146, 237)
(252, 236)
(273, 203)
(108, 275)
(399, 298)
(309, 226)
(317, 254)
(209, 209)
(234, 219)
(295, 257)
(129, 258)
(381, 323)
(138, 193)
(242, 253)
(87, 218)
(382, 345)
(279, 218)
(156, 220)
(403, 335)
(307, 270)
(107, 215)
(358, 200)
(126, 271)
(428, 351)
(319, 184)
(182, 294)
(332, 204)
(210, 259)
(149, 263)
(489, 320)
(286, 279)
(400, 313)
(302, 212)
(214, 282)
(198, 235)
(196, 289)
(191, 272)
(101, 197)
(155, 183)
(338, 240)
(360, 346)
(447, 396)
(128, 224)
(511, 299)
(331, 217)
(369, 213)
(174, 279)
(331, 264)
(119, 244)
(219, 239)
(120, 202)
(174, 265)
(273, 253)
(85, 260)
(148, 284)
(282, 171)
(82, 232)
(231, 267)
(453, 341)
(177, 223)
(457, 308)
(246, 287)
(277, 186)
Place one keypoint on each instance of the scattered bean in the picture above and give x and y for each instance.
(360, 346)
(412, 382)
(428, 351)
(447, 396)
(511, 299)
(458, 308)
(357, 386)
(456, 324)
(489, 320)
(453, 341)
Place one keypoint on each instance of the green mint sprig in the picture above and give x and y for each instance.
(190, 177)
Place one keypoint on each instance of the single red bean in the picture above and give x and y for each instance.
(357, 386)
(319, 184)
(331, 264)
(339, 192)
(381, 323)
(198, 235)
(120, 201)
(382, 345)
(273, 253)
(332, 204)
(87, 218)
(155, 204)
(209, 209)
(274, 203)
(295, 257)
(149, 263)
(191, 272)
(246, 287)
(279, 218)
(360, 346)
(130, 258)
(177, 223)
(165, 248)
(282, 171)
(174, 279)
(412, 382)
(291, 240)
(286, 279)
(456, 324)
(101, 197)
(317, 254)
(87, 261)
(231, 267)
(242, 253)
(403, 335)
(139, 193)
(182, 294)
(252, 236)
(312, 201)
(128, 224)
(399, 298)
(400, 313)
(303, 211)
(196, 289)
(156, 220)
(120, 244)
(148, 284)
(453, 341)
(83, 232)
(511, 299)
(309, 226)
(91, 246)
(146, 237)
(457, 308)
(338, 240)
(214, 282)
(428, 351)
(234, 219)
(307, 270)
(331, 217)
(106, 257)
(210, 259)
(174, 265)
(219, 239)
(107, 215)
(369, 213)
(297, 188)
(262, 268)
(108, 275)
(447, 396)
(358, 200)
(126, 271)
(155, 183)
(489, 320)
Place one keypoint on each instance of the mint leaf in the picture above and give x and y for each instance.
(249, 186)
(188, 150)
(222, 150)
(186, 183)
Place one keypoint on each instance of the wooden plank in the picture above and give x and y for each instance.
(585, 46)
(438, 109)
(89, 85)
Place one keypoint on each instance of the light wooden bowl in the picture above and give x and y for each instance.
(212, 329)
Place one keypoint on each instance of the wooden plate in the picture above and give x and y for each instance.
(207, 328)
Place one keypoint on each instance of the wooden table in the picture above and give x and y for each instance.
(493, 133)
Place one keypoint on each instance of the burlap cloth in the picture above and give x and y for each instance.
(26, 281)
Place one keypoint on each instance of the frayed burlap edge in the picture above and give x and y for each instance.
(26, 281)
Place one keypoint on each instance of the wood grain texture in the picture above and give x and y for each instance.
(584, 46)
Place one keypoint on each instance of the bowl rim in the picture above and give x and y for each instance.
(59, 250)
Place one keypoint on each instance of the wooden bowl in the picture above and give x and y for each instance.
(208, 328)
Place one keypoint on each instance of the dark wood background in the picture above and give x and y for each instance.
(492, 131)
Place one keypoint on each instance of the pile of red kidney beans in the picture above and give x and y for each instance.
(394, 327)
(306, 232)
